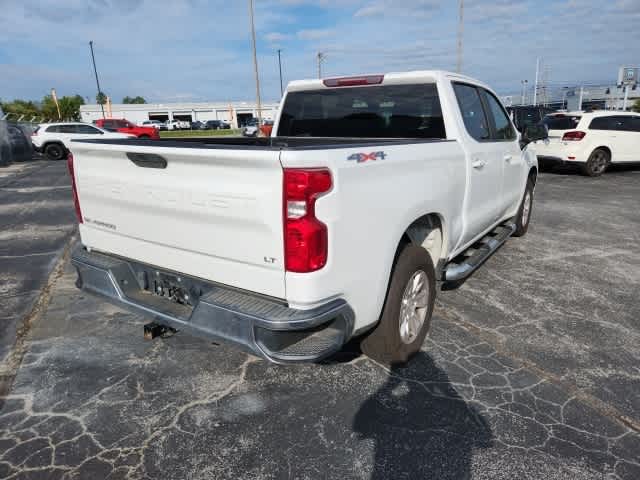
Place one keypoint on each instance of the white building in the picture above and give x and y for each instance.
(235, 113)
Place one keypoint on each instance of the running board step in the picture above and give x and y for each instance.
(475, 255)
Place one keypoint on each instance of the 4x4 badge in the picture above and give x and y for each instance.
(367, 157)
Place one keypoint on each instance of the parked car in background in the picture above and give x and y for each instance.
(266, 128)
(172, 125)
(217, 125)
(598, 139)
(527, 115)
(125, 126)
(183, 124)
(559, 123)
(54, 139)
(250, 128)
(5, 146)
(152, 123)
(20, 143)
(198, 125)
(298, 243)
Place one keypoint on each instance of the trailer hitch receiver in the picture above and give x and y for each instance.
(153, 330)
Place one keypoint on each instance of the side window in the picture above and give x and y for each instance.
(87, 130)
(601, 123)
(120, 124)
(67, 129)
(472, 112)
(53, 129)
(621, 123)
(504, 130)
(109, 124)
(625, 123)
(635, 124)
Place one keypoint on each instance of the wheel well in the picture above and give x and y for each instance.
(533, 175)
(54, 142)
(429, 233)
(606, 149)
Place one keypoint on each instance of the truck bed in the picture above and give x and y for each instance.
(265, 143)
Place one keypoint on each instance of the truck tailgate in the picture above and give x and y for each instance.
(213, 213)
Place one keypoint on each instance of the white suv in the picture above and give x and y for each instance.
(598, 139)
(54, 139)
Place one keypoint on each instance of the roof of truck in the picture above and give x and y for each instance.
(389, 78)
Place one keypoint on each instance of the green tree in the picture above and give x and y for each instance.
(69, 107)
(21, 108)
(137, 99)
(101, 98)
(636, 106)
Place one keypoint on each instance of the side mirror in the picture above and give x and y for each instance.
(533, 133)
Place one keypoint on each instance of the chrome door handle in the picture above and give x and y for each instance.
(478, 164)
(508, 158)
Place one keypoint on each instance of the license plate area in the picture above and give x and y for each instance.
(183, 291)
(171, 287)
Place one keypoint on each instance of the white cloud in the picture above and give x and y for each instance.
(416, 8)
(276, 37)
(314, 33)
(371, 10)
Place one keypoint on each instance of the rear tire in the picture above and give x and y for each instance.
(55, 151)
(405, 319)
(523, 217)
(144, 137)
(597, 164)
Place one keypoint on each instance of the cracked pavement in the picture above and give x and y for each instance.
(36, 220)
(531, 370)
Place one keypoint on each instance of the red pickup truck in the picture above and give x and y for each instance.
(125, 126)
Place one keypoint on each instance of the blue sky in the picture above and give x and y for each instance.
(197, 50)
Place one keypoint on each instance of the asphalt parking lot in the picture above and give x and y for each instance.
(531, 369)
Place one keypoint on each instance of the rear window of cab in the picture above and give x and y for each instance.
(381, 111)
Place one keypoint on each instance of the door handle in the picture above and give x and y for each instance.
(508, 158)
(147, 160)
(478, 164)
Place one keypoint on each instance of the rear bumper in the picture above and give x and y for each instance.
(262, 326)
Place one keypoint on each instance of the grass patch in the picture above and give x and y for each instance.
(198, 133)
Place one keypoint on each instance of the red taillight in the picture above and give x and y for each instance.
(353, 81)
(305, 237)
(74, 190)
(574, 136)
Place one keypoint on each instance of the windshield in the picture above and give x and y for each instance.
(385, 111)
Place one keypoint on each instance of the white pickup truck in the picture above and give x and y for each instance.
(370, 191)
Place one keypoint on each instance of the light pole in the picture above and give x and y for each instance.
(535, 89)
(280, 68)
(321, 58)
(460, 32)
(255, 63)
(95, 70)
(524, 91)
(564, 97)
